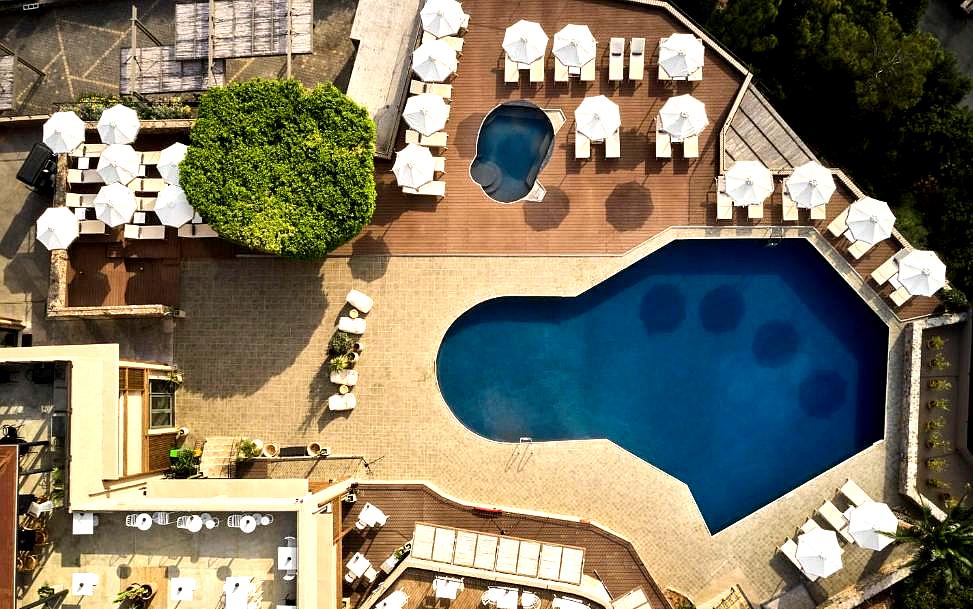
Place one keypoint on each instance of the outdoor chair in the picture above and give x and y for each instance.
(439, 165)
(755, 212)
(613, 146)
(537, 70)
(790, 207)
(233, 521)
(212, 523)
(696, 76)
(266, 520)
(290, 542)
(789, 550)
(900, 296)
(290, 575)
(588, 73)
(130, 520)
(511, 71)
(416, 87)
(690, 147)
(888, 268)
(370, 574)
(809, 525)
(636, 59)
(186, 231)
(204, 231)
(819, 212)
(560, 71)
(663, 145)
(442, 90)
(854, 493)
(436, 140)
(182, 522)
(160, 518)
(350, 577)
(838, 225)
(663, 75)
(836, 520)
(361, 526)
(616, 59)
(582, 146)
(345, 377)
(436, 188)
(858, 248)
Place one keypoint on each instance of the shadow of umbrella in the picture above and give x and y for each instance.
(628, 206)
(369, 258)
(87, 288)
(550, 212)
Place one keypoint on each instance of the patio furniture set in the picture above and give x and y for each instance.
(32, 533)
(352, 323)
(84, 523)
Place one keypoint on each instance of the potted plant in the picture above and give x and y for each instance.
(340, 343)
(937, 483)
(352, 357)
(358, 346)
(940, 385)
(941, 403)
(939, 362)
(338, 362)
(185, 465)
(246, 449)
(936, 343)
(935, 440)
(45, 592)
(271, 449)
(935, 424)
(135, 596)
(313, 449)
(937, 464)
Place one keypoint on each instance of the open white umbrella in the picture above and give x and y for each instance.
(169, 160)
(441, 17)
(870, 220)
(681, 55)
(413, 166)
(119, 163)
(57, 228)
(683, 116)
(118, 125)
(810, 185)
(426, 113)
(597, 117)
(868, 522)
(114, 204)
(922, 273)
(819, 553)
(434, 61)
(525, 41)
(574, 45)
(63, 132)
(172, 208)
(749, 183)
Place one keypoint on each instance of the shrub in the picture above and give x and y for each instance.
(184, 465)
(940, 385)
(941, 403)
(953, 299)
(936, 483)
(341, 343)
(282, 169)
(936, 343)
(338, 362)
(246, 449)
(935, 424)
(939, 362)
(937, 464)
(90, 107)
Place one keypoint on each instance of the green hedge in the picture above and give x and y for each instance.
(90, 106)
(280, 168)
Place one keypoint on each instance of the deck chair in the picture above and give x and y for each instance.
(411, 136)
(663, 145)
(537, 71)
(436, 188)
(690, 147)
(789, 550)
(185, 231)
(560, 71)
(507, 550)
(819, 212)
(696, 76)
(854, 493)
(588, 71)
(888, 268)
(900, 296)
(663, 75)
(790, 207)
(838, 225)
(511, 71)
(859, 248)
(836, 520)
(436, 140)
(416, 87)
(582, 146)
(633, 599)
(636, 59)
(486, 552)
(755, 212)
(442, 548)
(441, 89)
(613, 146)
(155, 231)
(93, 227)
(351, 325)
(724, 206)
(465, 553)
(616, 59)
(439, 164)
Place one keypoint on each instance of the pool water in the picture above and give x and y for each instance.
(742, 369)
(515, 141)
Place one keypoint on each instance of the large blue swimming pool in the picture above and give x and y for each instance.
(514, 143)
(744, 370)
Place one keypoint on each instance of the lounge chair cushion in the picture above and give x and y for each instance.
(351, 326)
(360, 301)
(345, 377)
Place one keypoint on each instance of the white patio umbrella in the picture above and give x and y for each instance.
(441, 17)
(426, 113)
(574, 45)
(63, 132)
(169, 160)
(433, 61)
(525, 41)
(683, 116)
(597, 117)
(870, 220)
(119, 163)
(922, 273)
(681, 55)
(57, 228)
(118, 125)
(749, 183)
(114, 204)
(413, 166)
(868, 522)
(819, 553)
(172, 208)
(810, 185)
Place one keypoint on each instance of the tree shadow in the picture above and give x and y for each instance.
(548, 213)
(822, 393)
(628, 206)
(775, 344)
(369, 258)
(663, 308)
(721, 309)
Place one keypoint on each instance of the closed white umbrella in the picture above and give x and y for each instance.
(115, 204)
(441, 17)
(426, 113)
(810, 185)
(819, 553)
(597, 117)
(683, 116)
(749, 183)
(525, 41)
(922, 273)
(681, 55)
(119, 163)
(413, 166)
(169, 160)
(434, 61)
(172, 208)
(868, 523)
(63, 132)
(574, 45)
(57, 228)
(118, 125)
(870, 220)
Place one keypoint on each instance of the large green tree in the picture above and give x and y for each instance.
(942, 546)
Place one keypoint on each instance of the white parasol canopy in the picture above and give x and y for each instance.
(574, 45)
(172, 208)
(922, 273)
(434, 61)
(413, 166)
(681, 55)
(118, 125)
(868, 522)
(819, 553)
(119, 163)
(683, 116)
(749, 183)
(525, 41)
(115, 204)
(597, 117)
(169, 160)
(63, 132)
(810, 185)
(441, 17)
(870, 220)
(426, 113)
(57, 228)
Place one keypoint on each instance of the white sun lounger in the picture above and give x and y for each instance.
(560, 71)
(507, 550)
(537, 70)
(636, 59)
(613, 146)
(93, 227)
(345, 377)
(663, 145)
(854, 493)
(888, 268)
(588, 73)
(696, 76)
(361, 301)
(789, 549)
(858, 248)
(465, 553)
(616, 59)
(663, 75)
(836, 520)
(486, 552)
(563, 602)
(550, 563)
(582, 146)
(690, 147)
(572, 563)
(339, 402)
(503, 598)
(436, 188)
(422, 540)
(790, 207)
(443, 90)
(351, 326)
(511, 71)
(724, 206)
(755, 212)
(527, 560)
(838, 225)
(900, 296)
(442, 550)
(819, 212)
(633, 599)
(809, 525)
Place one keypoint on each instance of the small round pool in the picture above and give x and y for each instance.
(515, 141)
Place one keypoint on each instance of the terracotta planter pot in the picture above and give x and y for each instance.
(313, 449)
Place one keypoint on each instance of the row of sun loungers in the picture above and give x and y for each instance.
(362, 303)
(443, 90)
(724, 206)
(582, 146)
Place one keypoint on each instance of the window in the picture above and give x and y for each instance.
(162, 404)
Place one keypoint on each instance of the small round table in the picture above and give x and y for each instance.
(248, 524)
(264, 520)
(195, 524)
(143, 521)
(353, 313)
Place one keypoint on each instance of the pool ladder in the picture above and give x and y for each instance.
(776, 236)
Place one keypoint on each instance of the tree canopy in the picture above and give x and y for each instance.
(280, 168)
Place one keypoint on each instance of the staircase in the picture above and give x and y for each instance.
(219, 454)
